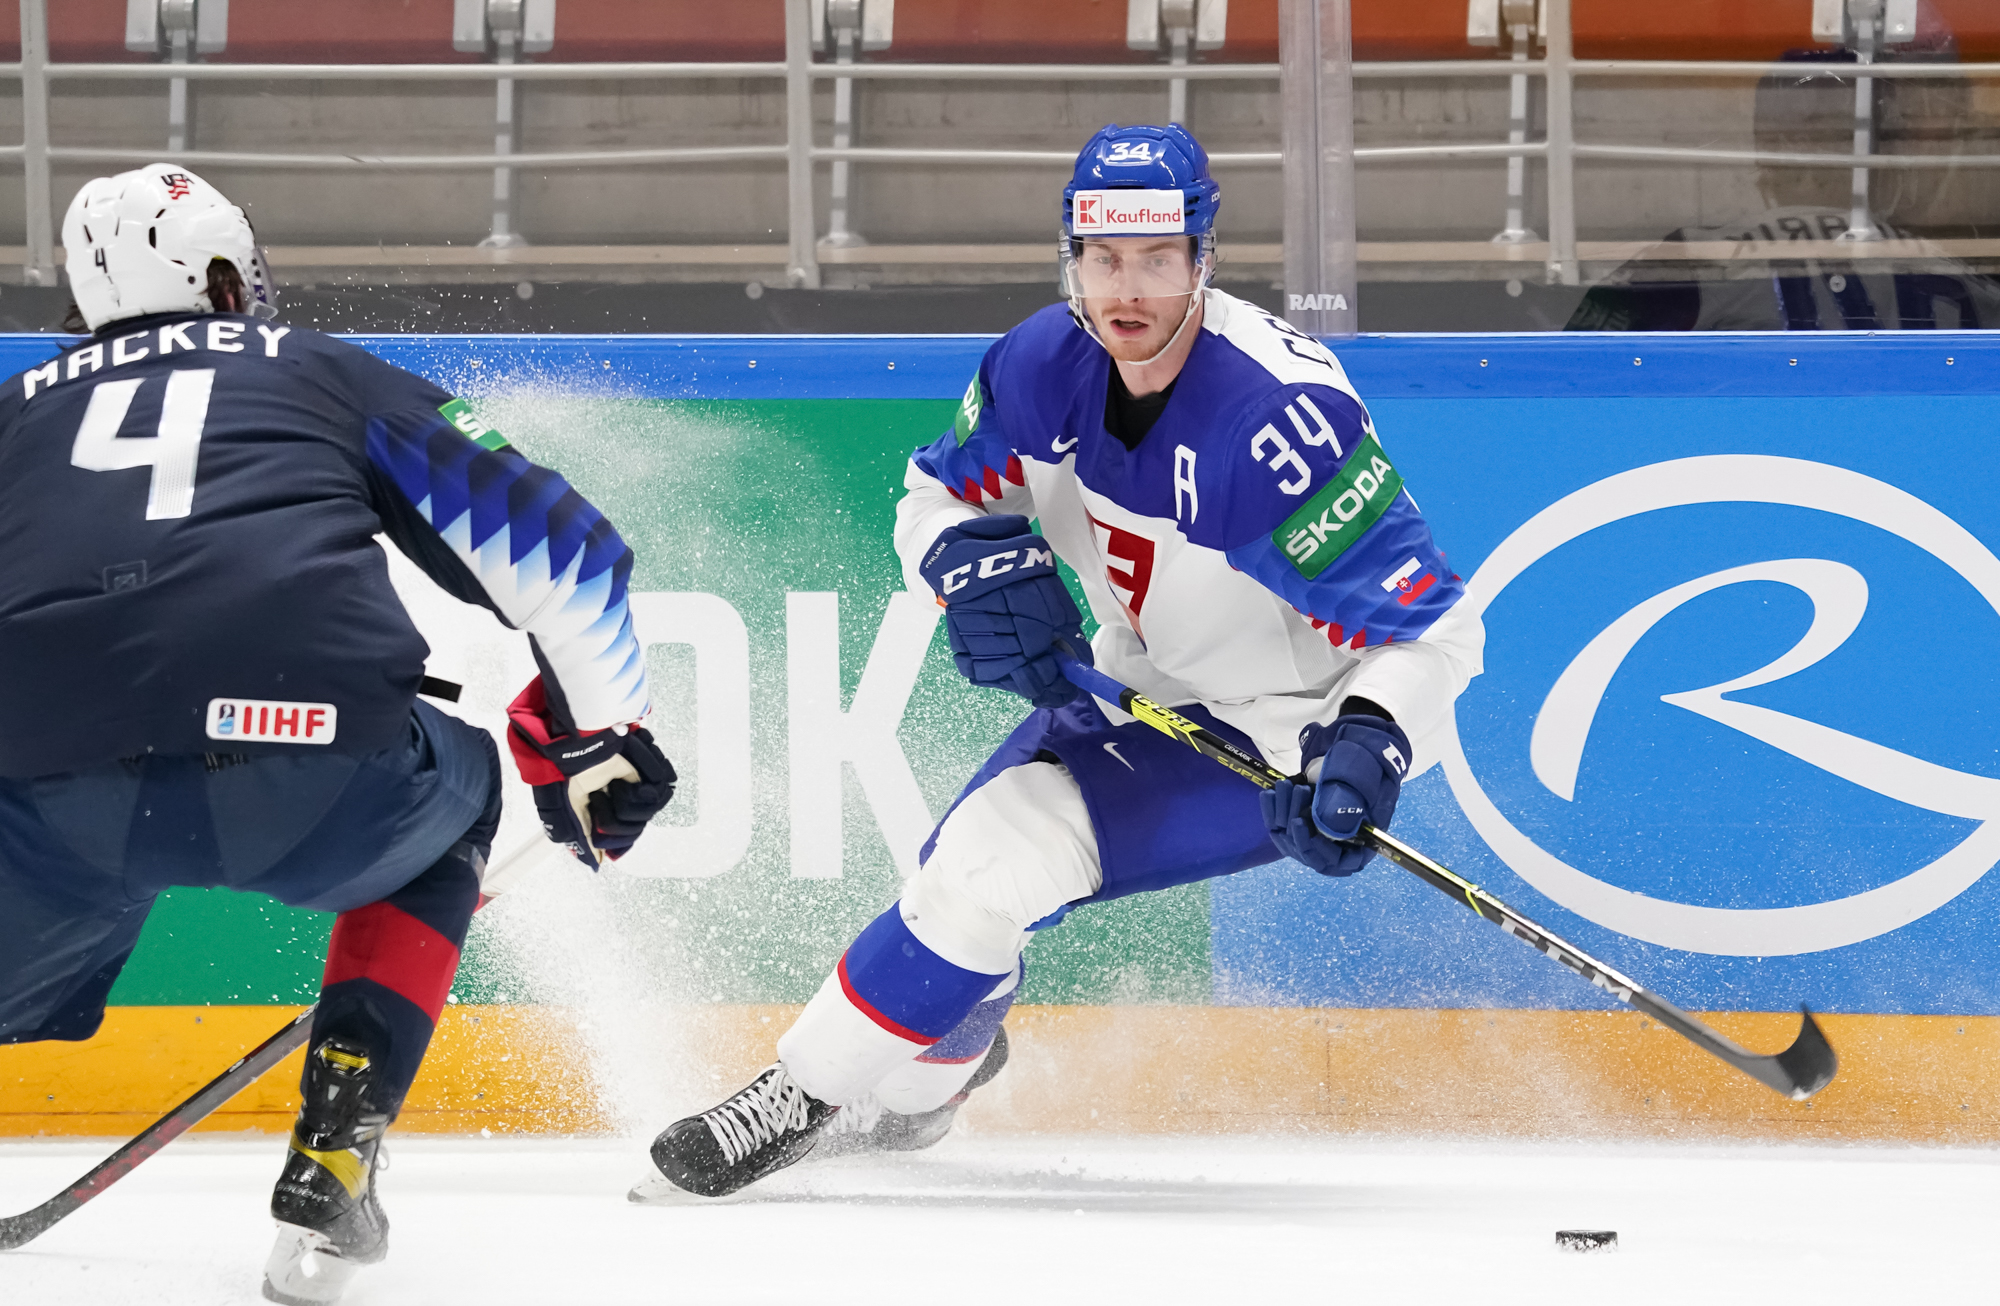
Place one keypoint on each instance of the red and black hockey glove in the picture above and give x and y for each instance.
(595, 790)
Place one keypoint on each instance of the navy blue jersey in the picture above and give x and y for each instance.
(187, 511)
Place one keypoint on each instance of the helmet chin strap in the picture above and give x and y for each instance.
(1082, 315)
(1194, 297)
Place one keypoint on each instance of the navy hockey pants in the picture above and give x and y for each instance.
(391, 840)
(1164, 814)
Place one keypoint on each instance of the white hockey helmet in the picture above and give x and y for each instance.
(141, 242)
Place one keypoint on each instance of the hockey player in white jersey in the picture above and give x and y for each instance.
(1252, 559)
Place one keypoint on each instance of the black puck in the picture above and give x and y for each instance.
(1586, 1240)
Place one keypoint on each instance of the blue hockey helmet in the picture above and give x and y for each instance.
(1148, 159)
(1138, 182)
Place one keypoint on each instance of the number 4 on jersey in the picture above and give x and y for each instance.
(171, 453)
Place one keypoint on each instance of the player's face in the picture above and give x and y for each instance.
(1136, 291)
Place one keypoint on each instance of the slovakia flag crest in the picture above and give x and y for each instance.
(1408, 581)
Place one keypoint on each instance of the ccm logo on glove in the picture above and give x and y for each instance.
(1004, 607)
(990, 566)
(1354, 769)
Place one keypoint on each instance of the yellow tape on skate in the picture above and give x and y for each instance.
(344, 1165)
(1153, 1069)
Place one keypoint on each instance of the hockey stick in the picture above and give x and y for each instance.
(17, 1231)
(1798, 1072)
(21, 1229)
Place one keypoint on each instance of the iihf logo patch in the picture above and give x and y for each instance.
(264, 721)
(179, 185)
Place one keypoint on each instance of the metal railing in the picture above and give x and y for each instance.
(800, 153)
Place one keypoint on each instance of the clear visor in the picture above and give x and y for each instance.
(1132, 267)
(263, 287)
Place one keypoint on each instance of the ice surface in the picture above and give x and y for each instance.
(1099, 1219)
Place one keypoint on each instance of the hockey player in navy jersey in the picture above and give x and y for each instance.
(207, 680)
(1251, 558)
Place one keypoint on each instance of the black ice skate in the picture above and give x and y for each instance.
(867, 1126)
(329, 1223)
(766, 1127)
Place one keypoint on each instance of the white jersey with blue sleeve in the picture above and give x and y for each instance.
(1256, 553)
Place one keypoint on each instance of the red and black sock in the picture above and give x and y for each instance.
(389, 968)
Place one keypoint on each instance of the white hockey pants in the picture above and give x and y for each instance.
(1010, 853)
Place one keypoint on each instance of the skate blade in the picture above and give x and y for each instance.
(304, 1270)
(658, 1190)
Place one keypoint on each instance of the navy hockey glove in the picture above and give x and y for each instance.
(595, 791)
(1005, 606)
(1357, 766)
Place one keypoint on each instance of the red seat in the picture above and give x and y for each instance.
(1743, 29)
(957, 31)
(80, 31)
(260, 31)
(341, 31)
(1038, 31)
(669, 31)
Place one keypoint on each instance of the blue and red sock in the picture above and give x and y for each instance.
(896, 981)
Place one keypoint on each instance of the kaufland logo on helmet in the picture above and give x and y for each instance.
(1129, 213)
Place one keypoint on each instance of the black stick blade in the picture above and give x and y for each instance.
(1798, 1072)
(1809, 1064)
(20, 1230)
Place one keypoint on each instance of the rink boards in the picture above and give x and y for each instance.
(1736, 735)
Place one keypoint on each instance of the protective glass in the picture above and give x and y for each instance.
(1136, 267)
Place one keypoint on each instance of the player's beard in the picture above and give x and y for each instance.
(1160, 317)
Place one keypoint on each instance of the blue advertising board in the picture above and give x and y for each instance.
(1739, 727)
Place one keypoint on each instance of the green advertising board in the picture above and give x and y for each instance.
(778, 512)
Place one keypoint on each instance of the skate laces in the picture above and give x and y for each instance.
(857, 1117)
(770, 1106)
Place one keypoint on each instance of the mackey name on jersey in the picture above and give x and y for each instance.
(217, 335)
(262, 721)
